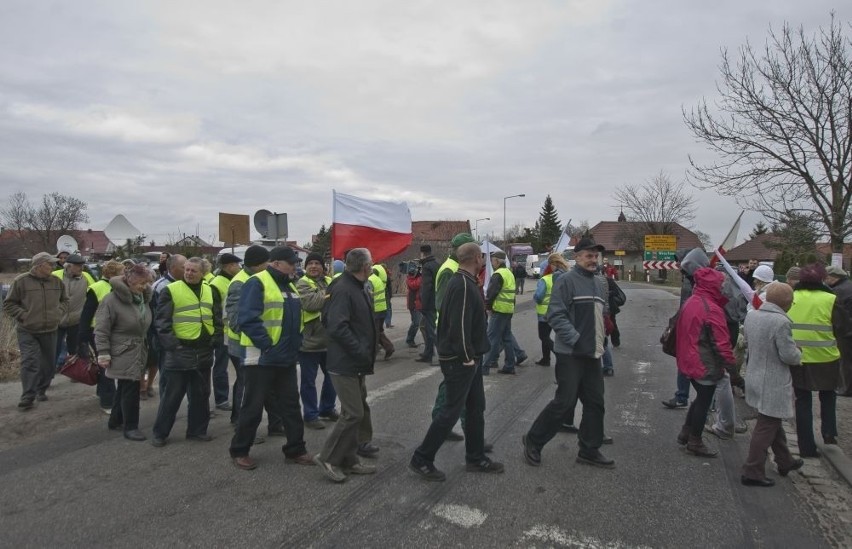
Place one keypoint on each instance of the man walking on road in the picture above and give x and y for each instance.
(36, 302)
(462, 341)
(576, 316)
(348, 318)
(429, 275)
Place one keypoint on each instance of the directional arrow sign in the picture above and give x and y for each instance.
(661, 265)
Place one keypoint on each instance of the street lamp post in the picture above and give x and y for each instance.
(476, 225)
(505, 198)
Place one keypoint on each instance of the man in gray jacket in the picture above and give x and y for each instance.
(36, 302)
(576, 315)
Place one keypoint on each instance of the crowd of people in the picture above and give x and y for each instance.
(186, 327)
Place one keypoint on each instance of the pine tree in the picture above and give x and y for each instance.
(549, 227)
(322, 242)
(759, 229)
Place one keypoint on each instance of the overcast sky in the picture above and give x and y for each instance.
(170, 112)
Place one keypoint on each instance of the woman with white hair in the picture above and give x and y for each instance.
(556, 266)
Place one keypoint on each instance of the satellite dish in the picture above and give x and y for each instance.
(261, 221)
(66, 243)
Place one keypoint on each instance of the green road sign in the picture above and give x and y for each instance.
(660, 255)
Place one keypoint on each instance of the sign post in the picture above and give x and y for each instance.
(660, 252)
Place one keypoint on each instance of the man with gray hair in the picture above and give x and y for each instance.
(36, 302)
(348, 319)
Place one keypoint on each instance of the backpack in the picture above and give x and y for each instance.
(669, 337)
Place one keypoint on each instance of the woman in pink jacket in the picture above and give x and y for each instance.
(703, 353)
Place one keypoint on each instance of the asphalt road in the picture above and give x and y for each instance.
(87, 486)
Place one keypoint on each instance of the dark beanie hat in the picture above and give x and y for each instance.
(255, 255)
(226, 258)
(313, 256)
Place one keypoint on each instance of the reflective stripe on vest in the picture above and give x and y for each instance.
(191, 313)
(273, 309)
(505, 300)
(208, 277)
(60, 274)
(100, 288)
(241, 276)
(309, 316)
(541, 308)
(812, 329)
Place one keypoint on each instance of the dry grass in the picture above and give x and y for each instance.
(9, 354)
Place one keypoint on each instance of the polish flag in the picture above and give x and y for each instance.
(381, 226)
(729, 242)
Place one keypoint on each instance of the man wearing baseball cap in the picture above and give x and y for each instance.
(36, 302)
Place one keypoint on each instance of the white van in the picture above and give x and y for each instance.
(532, 266)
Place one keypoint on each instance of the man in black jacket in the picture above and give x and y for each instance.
(351, 332)
(462, 341)
(428, 273)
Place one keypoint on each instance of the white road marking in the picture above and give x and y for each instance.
(557, 536)
(383, 392)
(629, 411)
(460, 515)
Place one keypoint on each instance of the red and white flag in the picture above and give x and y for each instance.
(729, 242)
(381, 226)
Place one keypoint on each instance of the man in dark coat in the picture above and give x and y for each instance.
(462, 341)
(839, 283)
(428, 272)
(351, 332)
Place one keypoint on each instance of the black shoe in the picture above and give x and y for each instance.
(484, 466)
(795, 466)
(314, 424)
(412, 345)
(606, 440)
(675, 403)
(487, 448)
(25, 404)
(454, 436)
(595, 458)
(158, 442)
(608, 372)
(543, 362)
(813, 454)
(520, 360)
(119, 427)
(423, 359)
(569, 428)
(225, 406)
(829, 440)
(764, 482)
(330, 416)
(276, 433)
(135, 435)
(201, 438)
(532, 455)
(367, 450)
(41, 397)
(426, 470)
(505, 371)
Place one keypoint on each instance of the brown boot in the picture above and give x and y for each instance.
(696, 447)
(683, 436)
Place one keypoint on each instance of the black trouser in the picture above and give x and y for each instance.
(180, 383)
(273, 420)
(696, 417)
(576, 377)
(805, 417)
(125, 407)
(278, 384)
(544, 330)
(464, 391)
(615, 336)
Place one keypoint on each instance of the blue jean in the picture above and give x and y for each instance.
(415, 325)
(220, 373)
(607, 357)
(310, 363)
(428, 323)
(682, 393)
(388, 315)
(500, 337)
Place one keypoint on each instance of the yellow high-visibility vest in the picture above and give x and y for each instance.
(273, 309)
(541, 308)
(812, 329)
(60, 274)
(191, 314)
(241, 276)
(100, 288)
(379, 282)
(505, 300)
(309, 316)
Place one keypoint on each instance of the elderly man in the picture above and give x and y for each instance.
(576, 315)
(312, 354)
(348, 318)
(462, 342)
(838, 281)
(36, 302)
(270, 319)
(188, 321)
(76, 286)
(173, 271)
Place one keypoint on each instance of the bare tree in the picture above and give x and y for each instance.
(655, 207)
(39, 225)
(783, 128)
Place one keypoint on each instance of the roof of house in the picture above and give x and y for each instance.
(754, 248)
(607, 233)
(94, 243)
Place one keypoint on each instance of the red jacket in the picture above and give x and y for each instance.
(703, 341)
(413, 283)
